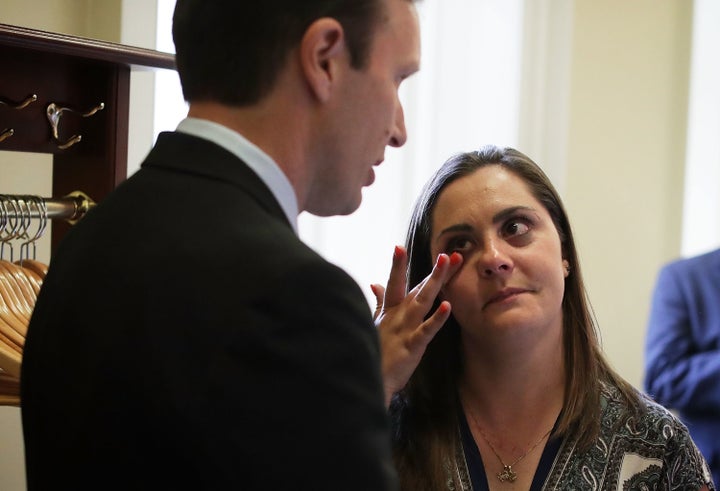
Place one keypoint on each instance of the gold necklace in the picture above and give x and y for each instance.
(507, 474)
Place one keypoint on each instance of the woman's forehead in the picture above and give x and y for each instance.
(489, 187)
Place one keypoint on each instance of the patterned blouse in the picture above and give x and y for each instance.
(653, 452)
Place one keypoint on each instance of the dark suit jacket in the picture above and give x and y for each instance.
(185, 338)
(682, 354)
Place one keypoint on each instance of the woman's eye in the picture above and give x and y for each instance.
(457, 245)
(515, 228)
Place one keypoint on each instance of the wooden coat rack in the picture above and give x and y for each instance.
(69, 97)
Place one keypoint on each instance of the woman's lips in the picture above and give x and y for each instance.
(504, 294)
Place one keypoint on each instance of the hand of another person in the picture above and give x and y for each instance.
(404, 332)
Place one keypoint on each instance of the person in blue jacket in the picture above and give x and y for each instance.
(682, 348)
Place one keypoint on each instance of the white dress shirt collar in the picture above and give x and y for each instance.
(260, 162)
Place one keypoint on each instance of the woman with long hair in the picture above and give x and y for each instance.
(513, 392)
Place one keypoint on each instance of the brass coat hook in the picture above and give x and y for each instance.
(6, 133)
(21, 105)
(54, 112)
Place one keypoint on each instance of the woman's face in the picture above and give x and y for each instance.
(513, 272)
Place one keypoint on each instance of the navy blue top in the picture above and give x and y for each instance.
(475, 463)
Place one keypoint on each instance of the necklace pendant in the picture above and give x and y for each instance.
(507, 474)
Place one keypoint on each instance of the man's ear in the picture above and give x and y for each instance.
(322, 45)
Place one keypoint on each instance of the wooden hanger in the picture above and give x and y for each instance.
(36, 266)
(11, 327)
(23, 283)
(33, 277)
(10, 360)
(9, 390)
(13, 296)
(8, 337)
(9, 311)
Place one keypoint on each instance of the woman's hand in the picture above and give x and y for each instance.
(404, 332)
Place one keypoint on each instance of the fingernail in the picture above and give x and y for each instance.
(442, 259)
(455, 258)
(398, 251)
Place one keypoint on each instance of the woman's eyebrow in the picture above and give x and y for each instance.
(458, 227)
(509, 212)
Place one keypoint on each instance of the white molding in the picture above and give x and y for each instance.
(545, 87)
(701, 210)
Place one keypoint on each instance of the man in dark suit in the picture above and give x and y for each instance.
(185, 338)
(682, 348)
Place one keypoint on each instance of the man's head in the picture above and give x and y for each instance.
(362, 113)
(231, 51)
(319, 77)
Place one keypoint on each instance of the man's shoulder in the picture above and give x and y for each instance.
(695, 265)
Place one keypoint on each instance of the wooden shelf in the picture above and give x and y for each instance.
(76, 74)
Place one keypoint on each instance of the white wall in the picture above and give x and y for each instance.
(701, 212)
(625, 153)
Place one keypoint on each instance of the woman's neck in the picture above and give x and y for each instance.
(511, 381)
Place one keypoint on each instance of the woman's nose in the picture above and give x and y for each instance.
(495, 261)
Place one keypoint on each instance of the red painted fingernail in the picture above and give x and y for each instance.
(442, 259)
(398, 251)
(455, 258)
(444, 308)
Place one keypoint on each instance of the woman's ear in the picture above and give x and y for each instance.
(321, 47)
(566, 267)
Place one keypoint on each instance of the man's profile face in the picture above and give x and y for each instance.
(369, 115)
